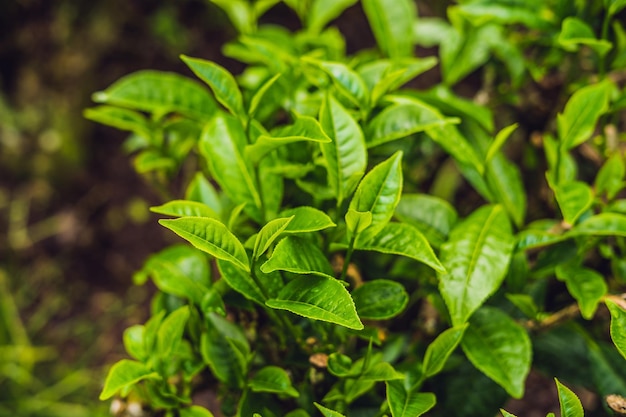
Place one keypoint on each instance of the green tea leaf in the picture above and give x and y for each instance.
(184, 208)
(386, 76)
(525, 304)
(340, 365)
(324, 11)
(500, 348)
(505, 183)
(273, 379)
(327, 412)
(392, 24)
(506, 413)
(221, 82)
(357, 221)
(124, 374)
(476, 258)
(306, 219)
(610, 177)
(346, 155)
(379, 192)
(160, 93)
(582, 111)
(195, 411)
(499, 140)
(440, 350)
(239, 13)
(576, 32)
(259, 95)
(171, 279)
(574, 198)
(210, 236)
(381, 371)
(405, 403)
(202, 191)
(585, 285)
(134, 342)
(380, 299)
(171, 331)
(241, 281)
(404, 240)
(618, 326)
(432, 216)
(319, 298)
(269, 233)
(450, 139)
(570, 404)
(348, 82)
(119, 118)
(300, 256)
(603, 224)
(615, 6)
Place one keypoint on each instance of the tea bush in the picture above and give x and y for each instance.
(363, 248)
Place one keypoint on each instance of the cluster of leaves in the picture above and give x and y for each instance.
(320, 272)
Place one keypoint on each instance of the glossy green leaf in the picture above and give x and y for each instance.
(401, 120)
(603, 224)
(610, 177)
(585, 285)
(504, 180)
(241, 281)
(346, 155)
(171, 279)
(506, 413)
(500, 348)
(269, 233)
(195, 411)
(184, 208)
(202, 191)
(123, 374)
(576, 32)
(119, 118)
(450, 139)
(319, 298)
(381, 371)
(324, 11)
(582, 111)
(380, 299)
(405, 403)
(574, 198)
(618, 326)
(404, 240)
(499, 141)
(134, 342)
(379, 192)
(259, 95)
(392, 24)
(171, 332)
(300, 256)
(432, 216)
(239, 13)
(222, 146)
(438, 352)
(273, 379)
(357, 221)
(221, 81)
(348, 82)
(386, 76)
(306, 219)
(211, 236)
(476, 258)
(570, 404)
(327, 412)
(340, 365)
(305, 128)
(159, 93)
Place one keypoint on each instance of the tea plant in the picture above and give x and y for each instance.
(359, 247)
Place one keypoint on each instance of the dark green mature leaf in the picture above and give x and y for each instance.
(221, 82)
(582, 111)
(348, 82)
(300, 256)
(500, 348)
(476, 258)
(195, 411)
(160, 93)
(171, 332)
(269, 233)
(123, 119)
(392, 24)
(241, 281)
(603, 224)
(307, 219)
(346, 155)
(405, 403)
(618, 326)
(576, 32)
(432, 216)
(327, 412)
(405, 240)
(585, 285)
(574, 198)
(211, 236)
(319, 298)
(222, 145)
(124, 374)
(438, 352)
(610, 177)
(184, 208)
(570, 404)
(273, 379)
(379, 192)
(323, 11)
(380, 299)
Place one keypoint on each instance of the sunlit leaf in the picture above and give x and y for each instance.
(405, 403)
(570, 404)
(585, 285)
(574, 198)
(123, 374)
(300, 256)
(306, 219)
(618, 326)
(184, 208)
(392, 24)
(440, 350)
(273, 379)
(171, 332)
(269, 233)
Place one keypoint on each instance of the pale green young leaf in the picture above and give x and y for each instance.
(195, 411)
(614, 6)
(119, 118)
(610, 177)
(211, 236)
(380, 299)
(379, 193)
(184, 208)
(438, 352)
(381, 371)
(618, 326)
(476, 258)
(271, 185)
(324, 11)
(432, 216)
(504, 180)
(346, 155)
(180, 260)
(306, 219)
(259, 95)
(319, 298)
(269, 233)
(576, 32)
(499, 141)
(160, 93)
(586, 286)
(123, 374)
(603, 224)
(221, 81)
(500, 348)
(241, 281)
(240, 14)
(574, 198)
(392, 23)
(525, 304)
(222, 146)
(171, 279)
(451, 140)
(134, 342)
(578, 121)
(357, 221)
(170, 332)
(404, 240)
(202, 191)
(388, 75)
(347, 81)
(405, 403)
(570, 404)
(341, 365)
(212, 302)
(151, 330)
(463, 53)
(506, 413)
(327, 412)
(274, 380)
(300, 256)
